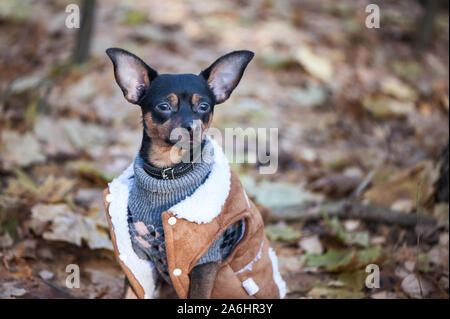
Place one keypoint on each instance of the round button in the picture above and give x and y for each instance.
(172, 221)
(177, 272)
(109, 198)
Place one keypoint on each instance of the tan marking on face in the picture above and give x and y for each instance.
(195, 98)
(161, 154)
(142, 242)
(165, 156)
(150, 127)
(173, 98)
(141, 228)
(207, 124)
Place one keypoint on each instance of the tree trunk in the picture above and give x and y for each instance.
(425, 24)
(442, 183)
(84, 35)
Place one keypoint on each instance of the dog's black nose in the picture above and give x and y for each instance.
(189, 126)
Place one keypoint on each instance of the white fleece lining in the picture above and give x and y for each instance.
(143, 270)
(249, 266)
(206, 202)
(276, 273)
(246, 198)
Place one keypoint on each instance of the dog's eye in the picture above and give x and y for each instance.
(203, 107)
(163, 107)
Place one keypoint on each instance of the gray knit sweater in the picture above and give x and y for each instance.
(149, 197)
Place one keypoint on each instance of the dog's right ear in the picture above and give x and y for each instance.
(225, 73)
(132, 74)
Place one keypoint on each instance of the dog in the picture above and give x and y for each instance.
(186, 101)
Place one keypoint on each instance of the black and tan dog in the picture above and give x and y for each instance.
(187, 101)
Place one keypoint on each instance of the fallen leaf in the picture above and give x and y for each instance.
(290, 264)
(26, 83)
(8, 290)
(71, 136)
(6, 240)
(53, 190)
(441, 211)
(19, 150)
(25, 180)
(317, 66)
(439, 255)
(282, 232)
(407, 69)
(135, 17)
(352, 224)
(409, 265)
(67, 226)
(335, 185)
(397, 89)
(416, 287)
(354, 280)
(369, 255)
(276, 195)
(25, 249)
(333, 260)
(409, 184)
(384, 295)
(301, 283)
(341, 260)
(275, 61)
(334, 293)
(385, 107)
(401, 272)
(93, 170)
(310, 96)
(104, 282)
(311, 245)
(360, 238)
(46, 274)
(403, 205)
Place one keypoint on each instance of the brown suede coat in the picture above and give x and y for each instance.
(187, 241)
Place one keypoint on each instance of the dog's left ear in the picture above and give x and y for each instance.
(225, 73)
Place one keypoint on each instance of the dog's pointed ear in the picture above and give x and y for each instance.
(225, 73)
(132, 74)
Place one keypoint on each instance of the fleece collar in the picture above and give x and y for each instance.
(206, 202)
(143, 270)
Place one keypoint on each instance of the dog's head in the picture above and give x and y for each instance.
(177, 101)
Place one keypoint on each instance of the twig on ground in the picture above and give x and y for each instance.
(363, 185)
(59, 289)
(418, 236)
(354, 210)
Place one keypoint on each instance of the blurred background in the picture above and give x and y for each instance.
(362, 115)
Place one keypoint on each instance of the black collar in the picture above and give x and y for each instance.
(176, 171)
(173, 172)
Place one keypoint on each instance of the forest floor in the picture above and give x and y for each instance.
(362, 117)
